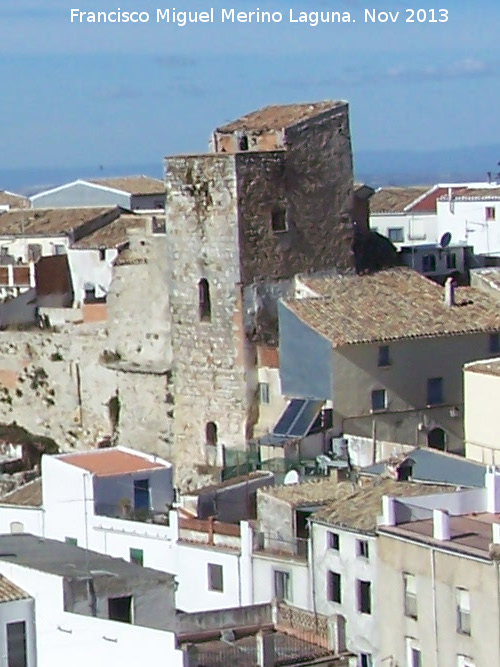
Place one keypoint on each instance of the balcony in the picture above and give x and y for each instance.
(275, 544)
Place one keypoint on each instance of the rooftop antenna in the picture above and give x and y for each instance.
(445, 240)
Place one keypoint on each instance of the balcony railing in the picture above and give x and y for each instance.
(143, 515)
(275, 544)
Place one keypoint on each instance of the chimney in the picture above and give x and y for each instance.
(449, 292)
(441, 525)
(492, 484)
(265, 649)
(389, 511)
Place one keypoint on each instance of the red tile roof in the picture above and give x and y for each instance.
(108, 462)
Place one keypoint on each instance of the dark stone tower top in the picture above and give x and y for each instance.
(266, 128)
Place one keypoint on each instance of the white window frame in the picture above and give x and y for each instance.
(412, 647)
(410, 595)
(462, 597)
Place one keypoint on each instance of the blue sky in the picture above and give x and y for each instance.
(81, 94)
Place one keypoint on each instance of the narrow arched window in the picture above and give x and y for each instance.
(204, 306)
(211, 433)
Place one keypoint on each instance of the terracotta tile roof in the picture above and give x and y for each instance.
(108, 462)
(358, 507)
(110, 236)
(10, 592)
(391, 305)
(48, 221)
(475, 193)
(29, 494)
(134, 185)
(427, 203)
(13, 200)
(276, 117)
(315, 492)
(487, 367)
(396, 200)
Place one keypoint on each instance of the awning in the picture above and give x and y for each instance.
(298, 417)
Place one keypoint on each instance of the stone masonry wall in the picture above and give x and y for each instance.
(312, 177)
(209, 383)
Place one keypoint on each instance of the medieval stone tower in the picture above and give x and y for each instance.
(271, 200)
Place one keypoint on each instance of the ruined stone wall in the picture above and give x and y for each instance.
(52, 384)
(209, 357)
(312, 179)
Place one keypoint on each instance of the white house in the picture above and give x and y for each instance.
(88, 608)
(471, 216)
(131, 192)
(17, 626)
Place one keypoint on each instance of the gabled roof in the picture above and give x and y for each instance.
(279, 116)
(29, 495)
(10, 592)
(358, 507)
(114, 235)
(396, 200)
(133, 185)
(435, 467)
(12, 200)
(391, 305)
(113, 461)
(50, 221)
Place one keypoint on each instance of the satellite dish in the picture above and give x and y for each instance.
(292, 477)
(445, 240)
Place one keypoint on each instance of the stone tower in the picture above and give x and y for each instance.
(271, 200)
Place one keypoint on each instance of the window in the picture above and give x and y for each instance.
(211, 434)
(451, 260)
(137, 556)
(365, 660)
(158, 225)
(215, 578)
(383, 356)
(333, 587)
(59, 249)
(120, 609)
(282, 585)
(428, 263)
(264, 392)
(243, 143)
(435, 391)
(396, 234)
(379, 400)
(16, 527)
(464, 661)
(278, 219)
(410, 593)
(494, 342)
(16, 644)
(463, 611)
(34, 252)
(362, 548)
(102, 254)
(333, 541)
(489, 213)
(71, 540)
(364, 597)
(204, 306)
(415, 657)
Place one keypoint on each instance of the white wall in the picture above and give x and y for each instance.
(86, 266)
(466, 221)
(417, 228)
(12, 612)
(361, 628)
(65, 638)
(264, 567)
(31, 518)
(18, 247)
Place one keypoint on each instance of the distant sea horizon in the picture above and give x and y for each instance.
(373, 167)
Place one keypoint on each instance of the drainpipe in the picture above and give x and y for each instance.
(434, 604)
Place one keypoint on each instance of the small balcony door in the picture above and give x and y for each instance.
(141, 494)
